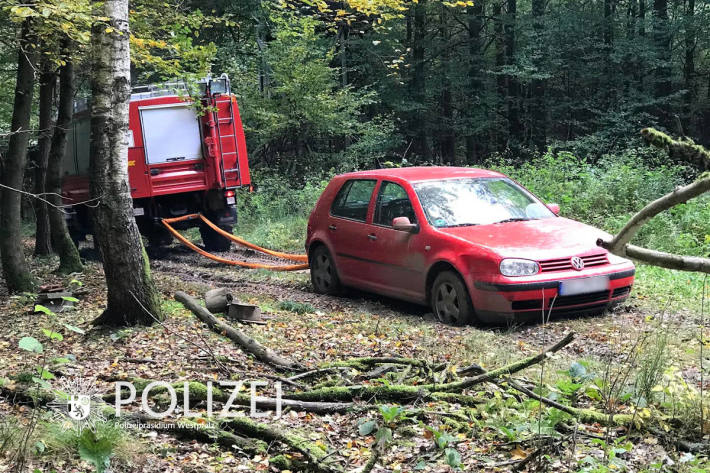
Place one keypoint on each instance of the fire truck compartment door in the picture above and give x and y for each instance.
(170, 133)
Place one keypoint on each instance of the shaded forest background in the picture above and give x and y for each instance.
(337, 86)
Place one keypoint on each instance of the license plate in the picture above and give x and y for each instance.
(573, 287)
(231, 200)
(138, 211)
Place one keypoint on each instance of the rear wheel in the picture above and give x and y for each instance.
(212, 240)
(323, 275)
(450, 300)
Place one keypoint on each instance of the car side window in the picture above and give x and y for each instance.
(393, 202)
(353, 199)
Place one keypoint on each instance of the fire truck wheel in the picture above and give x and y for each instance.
(159, 237)
(213, 241)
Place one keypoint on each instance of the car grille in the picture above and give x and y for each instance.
(582, 298)
(563, 264)
(564, 301)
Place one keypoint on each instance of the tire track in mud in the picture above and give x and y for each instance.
(190, 267)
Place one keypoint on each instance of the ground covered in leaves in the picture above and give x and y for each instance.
(642, 359)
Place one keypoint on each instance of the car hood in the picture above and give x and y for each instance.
(533, 239)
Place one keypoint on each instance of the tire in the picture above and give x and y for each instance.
(324, 277)
(212, 240)
(450, 300)
(158, 237)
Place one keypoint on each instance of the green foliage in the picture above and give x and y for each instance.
(297, 307)
(607, 192)
(95, 450)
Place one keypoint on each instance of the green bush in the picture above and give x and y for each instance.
(607, 192)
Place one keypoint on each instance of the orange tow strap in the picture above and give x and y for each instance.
(192, 246)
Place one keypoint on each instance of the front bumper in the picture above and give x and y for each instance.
(503, 301)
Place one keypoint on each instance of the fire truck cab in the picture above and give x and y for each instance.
(183, 157)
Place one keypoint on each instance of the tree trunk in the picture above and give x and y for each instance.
(69, 261)
(421, 130)
(14, 266)
(539, 104)
(689, 66)
(475, 84)
(47, 84)
(513, 93)
(447, 139)
(132, 296)
(501, 82)
(662, 45)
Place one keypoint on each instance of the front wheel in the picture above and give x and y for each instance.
(450, 300)
(212, 240)
(323, 275)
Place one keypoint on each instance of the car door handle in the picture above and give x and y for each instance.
(332, 227)
(372, 236)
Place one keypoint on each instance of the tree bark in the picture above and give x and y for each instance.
(475, 84)
(47, 84)
(447, 138)
(689, 66)
(132, 296)
(69, 261)
(539, 104)
(14, 266)
(662, 45)
(513, 93)
(421, 138)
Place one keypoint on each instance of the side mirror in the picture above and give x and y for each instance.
(404, 225)
(555, 208)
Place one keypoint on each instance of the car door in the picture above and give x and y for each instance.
(348, 230)
(399, 254)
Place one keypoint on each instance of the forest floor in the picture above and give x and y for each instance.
(504, 428)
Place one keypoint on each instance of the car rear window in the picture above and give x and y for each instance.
(353, 199)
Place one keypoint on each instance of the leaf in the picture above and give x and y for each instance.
(383, 436)
(44, 373)
(453, 458)
(31, 344)
(44, 384)
(40, 447)
(52, 335)
(366, 428)
(43, 309)
(518, 453)
(98, 452)
(70, 299)
(74, 329)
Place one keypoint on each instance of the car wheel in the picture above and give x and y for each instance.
(212, 240)
(450, 300)
(323, 275)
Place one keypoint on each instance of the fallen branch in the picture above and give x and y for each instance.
(584, 415)
(405, 392)
(315, 455)
(245, 342)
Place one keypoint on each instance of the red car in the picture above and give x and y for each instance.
(472, 243)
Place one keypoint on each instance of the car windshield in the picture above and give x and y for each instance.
(477, 201)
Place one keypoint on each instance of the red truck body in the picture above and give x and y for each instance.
(179, 161)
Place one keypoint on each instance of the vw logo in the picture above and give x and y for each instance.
(577, 263)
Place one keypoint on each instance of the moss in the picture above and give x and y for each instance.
(280, 462)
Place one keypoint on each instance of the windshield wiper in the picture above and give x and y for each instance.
(462, 225)
(514, 219)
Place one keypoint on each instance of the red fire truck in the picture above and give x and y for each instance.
(180, 161)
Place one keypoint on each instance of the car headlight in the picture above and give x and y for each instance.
(518, 267)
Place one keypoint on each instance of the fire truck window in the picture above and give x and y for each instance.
(171, 134)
